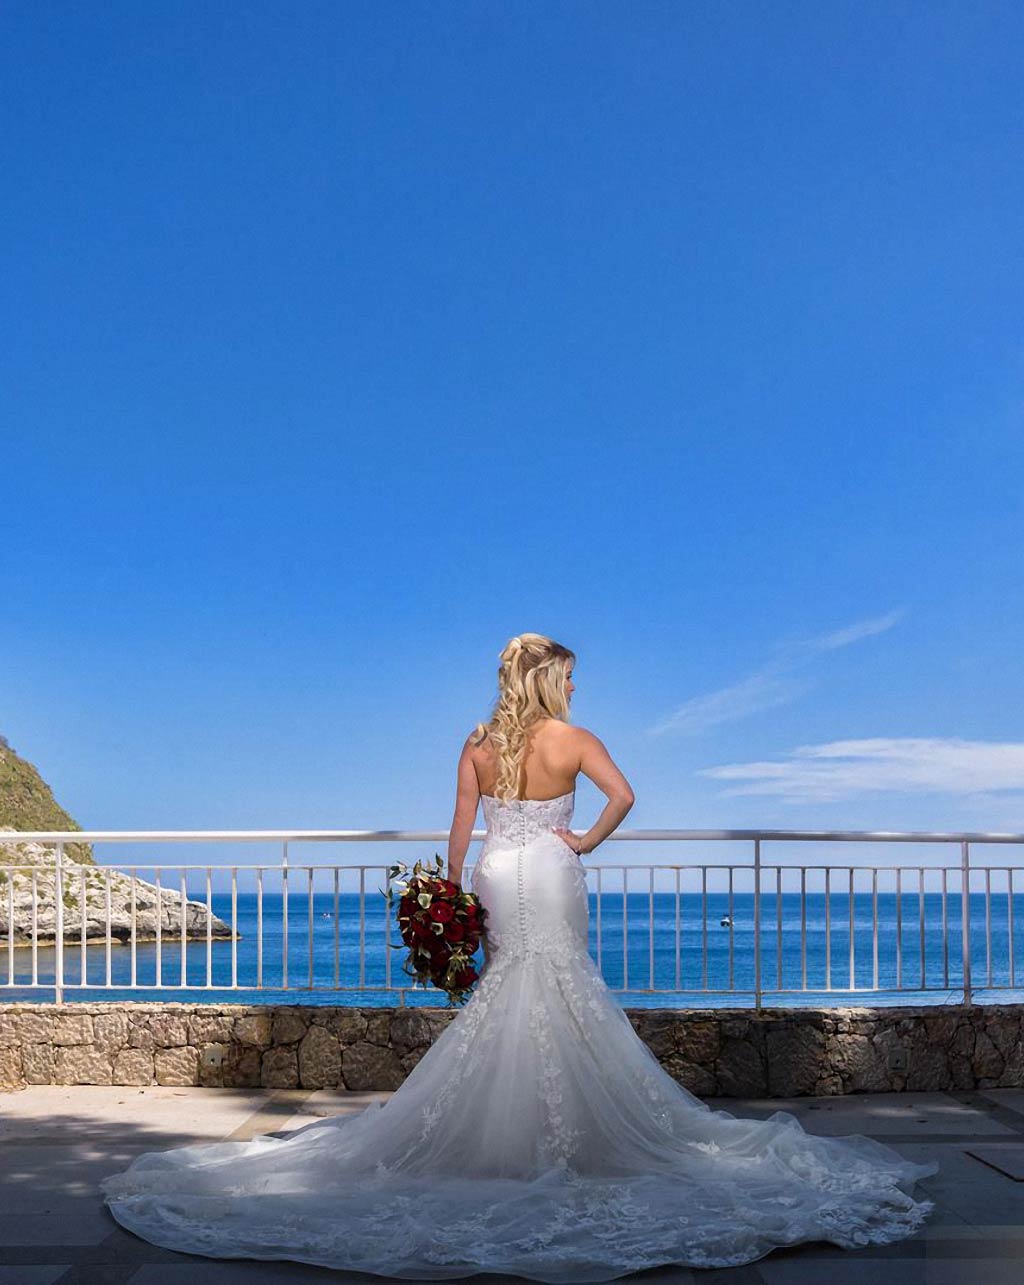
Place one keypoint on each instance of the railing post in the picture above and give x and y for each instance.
(284, 916)
(965, 915)
(58, 932)
(757, 925)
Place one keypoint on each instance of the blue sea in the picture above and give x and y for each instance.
(676, 952)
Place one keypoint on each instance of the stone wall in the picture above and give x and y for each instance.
(730, 1052)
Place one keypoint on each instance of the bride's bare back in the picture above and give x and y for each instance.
(553, 760)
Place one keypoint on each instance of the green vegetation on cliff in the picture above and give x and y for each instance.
(27, 803)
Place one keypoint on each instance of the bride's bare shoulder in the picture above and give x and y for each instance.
(574, 732)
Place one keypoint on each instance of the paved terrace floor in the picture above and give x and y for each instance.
(57, 1142)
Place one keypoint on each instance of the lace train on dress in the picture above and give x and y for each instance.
(538, 1137)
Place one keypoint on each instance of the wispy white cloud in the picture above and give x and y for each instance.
(749, 696)
(769, 686)
(907, 765)
(852, 633)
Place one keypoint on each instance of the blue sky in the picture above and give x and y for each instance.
(342, 342)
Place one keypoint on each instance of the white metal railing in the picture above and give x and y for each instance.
(673, 946)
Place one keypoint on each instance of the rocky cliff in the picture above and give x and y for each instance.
(27, 803)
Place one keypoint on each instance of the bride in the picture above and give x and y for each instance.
(538, 1136)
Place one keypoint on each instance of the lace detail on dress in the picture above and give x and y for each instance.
(520, 820)
(559, 1140)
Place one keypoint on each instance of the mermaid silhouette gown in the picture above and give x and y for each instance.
(537, 1137)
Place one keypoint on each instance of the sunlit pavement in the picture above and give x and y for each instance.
(57, 1142)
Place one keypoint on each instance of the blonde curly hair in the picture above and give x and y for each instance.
(531, 686)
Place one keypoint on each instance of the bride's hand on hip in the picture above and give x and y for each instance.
(568, 837)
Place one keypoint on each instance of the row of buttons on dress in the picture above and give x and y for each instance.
(519, 874)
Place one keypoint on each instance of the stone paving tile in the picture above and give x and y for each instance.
(70, 1222)
(251, 1272)
(38, 1274)
(97, 1274)
(971, 1190)
(745, 1275)
(881, 1114)
(816, 1271)
(1008, 1158)
(58, 1177)
(339, 1101)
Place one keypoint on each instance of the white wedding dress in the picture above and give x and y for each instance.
(538, 1137)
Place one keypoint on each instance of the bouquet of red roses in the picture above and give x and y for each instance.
(440, 925)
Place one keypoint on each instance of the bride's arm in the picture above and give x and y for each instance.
(597, 764)
(467, 801)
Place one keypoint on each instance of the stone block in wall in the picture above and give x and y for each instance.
(656, 1030)
(939, 1028)
(439, 1019)
(859, 1063)
(211, 1065)
(289, 1027)
(279, 1068)
(409, 1030)
(370, 1066)
(698, 1042)
(11, 1068)
(82, 1064)
(253, 1028)
(987, 1061)
(378, 1028)
(928, 1068)
(134, 1066)
(960, 1057)
(176, 1065)
(169, 1030)
(410, 1058)
(892, 1051)
(698, 1079)
(139, 1034)
(1013, 1068)
(319, 1059)
(110, 1031)
(241, 1069)
(739, 1070)
(35, 1027)
(38, 1061)
(1005, 1033)
(72, 1028)
(10, 1035)
(348, 1025)
(793, 1054)
(210, 1028)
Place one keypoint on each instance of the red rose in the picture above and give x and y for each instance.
(455, 931)
(469, 910)
(442, 912)
(466, 976)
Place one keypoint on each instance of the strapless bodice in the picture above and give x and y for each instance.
(519, 820)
